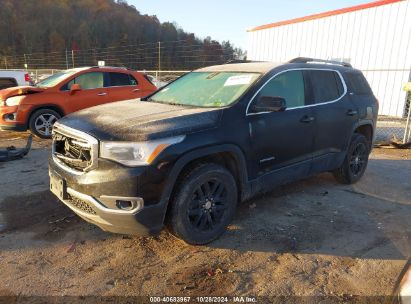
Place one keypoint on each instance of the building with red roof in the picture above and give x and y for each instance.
(374, 37)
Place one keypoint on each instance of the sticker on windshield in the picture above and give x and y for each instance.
(238, 80)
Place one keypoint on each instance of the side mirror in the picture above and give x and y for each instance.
(74, 88)
(269, 104)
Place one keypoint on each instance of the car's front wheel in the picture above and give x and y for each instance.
(355, 162)
(204, 204)
(42, 121)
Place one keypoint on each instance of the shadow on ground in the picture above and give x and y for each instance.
(312, 216)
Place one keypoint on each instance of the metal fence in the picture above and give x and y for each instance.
(166, 55)
(392, 129)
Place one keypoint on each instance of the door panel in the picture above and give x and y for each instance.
(92, 91)
(125, 92)
(86, 98)
(335, 123)
(335, 117)
(123, 86)
(283, 139)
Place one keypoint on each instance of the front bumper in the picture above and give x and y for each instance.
(11, 120)
(93, 195)
(107, 219)
(13, 127)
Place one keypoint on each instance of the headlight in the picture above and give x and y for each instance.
(13, 101)
(136, 153)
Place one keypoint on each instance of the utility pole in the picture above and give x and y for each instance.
(72, 58)
(5, 62)
(159, 55)
(66, 59)
(25, 61)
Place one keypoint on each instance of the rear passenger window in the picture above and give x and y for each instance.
(358, 84)
(289, 85)
(326, 86)
(121, 79)
(7, 83)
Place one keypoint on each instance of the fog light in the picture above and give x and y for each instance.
(122, 203)
(10, 117)
(125, 205)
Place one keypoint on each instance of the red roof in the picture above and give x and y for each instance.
(326, 14)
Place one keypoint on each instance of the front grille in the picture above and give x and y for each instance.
(72, 151)
(80, 204)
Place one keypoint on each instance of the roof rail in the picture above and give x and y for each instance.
(232, 61)
(110, 67)
(307, 60)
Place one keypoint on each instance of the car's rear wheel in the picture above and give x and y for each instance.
(42, 121)
(355, 162)
(204, 204)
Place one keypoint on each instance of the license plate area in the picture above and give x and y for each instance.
(58, 186)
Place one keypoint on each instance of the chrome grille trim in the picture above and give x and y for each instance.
(82, 139)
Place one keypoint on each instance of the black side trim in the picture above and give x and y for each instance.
(14, 127)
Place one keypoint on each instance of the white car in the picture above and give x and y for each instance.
(158, 83)
(13, 78)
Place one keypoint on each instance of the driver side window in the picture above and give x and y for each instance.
(92, 80)
(288, 85)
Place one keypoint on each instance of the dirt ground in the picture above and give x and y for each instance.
(310, 238)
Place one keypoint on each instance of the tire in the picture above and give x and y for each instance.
(204, 204)
(42, 121)
(355, 162)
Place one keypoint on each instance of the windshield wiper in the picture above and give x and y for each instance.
(171, 103)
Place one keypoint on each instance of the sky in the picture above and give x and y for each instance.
(229, 19)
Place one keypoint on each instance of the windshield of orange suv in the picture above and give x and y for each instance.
(206, 89)
(55, 79)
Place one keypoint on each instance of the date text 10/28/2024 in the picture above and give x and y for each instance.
(204, 299)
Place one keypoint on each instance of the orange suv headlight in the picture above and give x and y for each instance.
(13, 101)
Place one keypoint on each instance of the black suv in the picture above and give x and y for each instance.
(189, 153)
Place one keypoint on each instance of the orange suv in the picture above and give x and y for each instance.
(38, 107)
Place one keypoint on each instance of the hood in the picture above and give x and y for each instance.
(17, 91)
(135, 120)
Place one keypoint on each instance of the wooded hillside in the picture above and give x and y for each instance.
(60, 33)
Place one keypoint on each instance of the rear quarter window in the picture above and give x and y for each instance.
(326, 85)
(357, 84)
(7, 83)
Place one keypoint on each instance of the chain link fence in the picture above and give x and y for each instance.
(167, 55)
(395, 129)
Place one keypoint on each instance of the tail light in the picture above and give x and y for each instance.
(27, 77)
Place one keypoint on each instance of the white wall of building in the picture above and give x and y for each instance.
(375, 40)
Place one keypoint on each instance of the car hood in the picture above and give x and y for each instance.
(135, 120)
(17, 91)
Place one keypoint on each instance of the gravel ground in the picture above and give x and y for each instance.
(310, 238)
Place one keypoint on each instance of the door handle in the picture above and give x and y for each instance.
(352, 112)
(307, 119)
(102, 94)
(136, 90)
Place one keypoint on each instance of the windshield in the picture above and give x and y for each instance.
(54, 79)
(206, 89)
